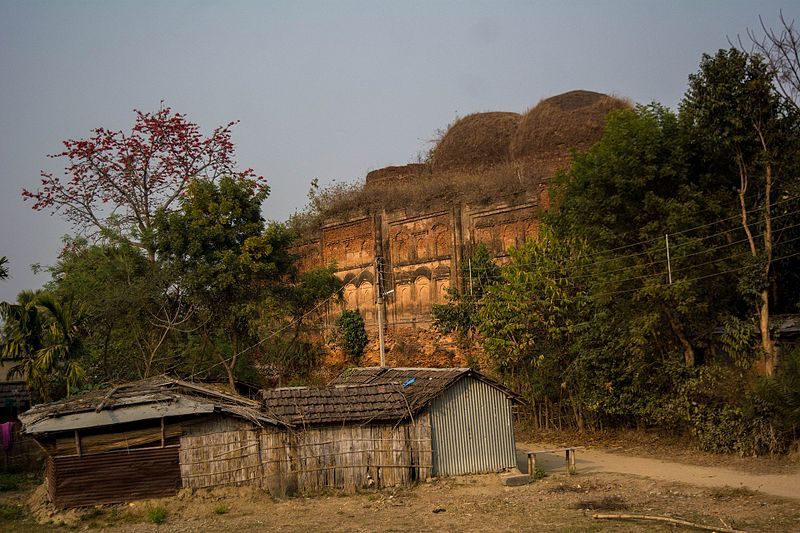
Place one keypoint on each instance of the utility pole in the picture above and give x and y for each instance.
(469, 264)
(381, 294)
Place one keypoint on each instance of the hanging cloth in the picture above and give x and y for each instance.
(7, 435)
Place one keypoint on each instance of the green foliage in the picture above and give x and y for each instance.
(10, 512)
(351, 335)
(45, 336)
(224, 259)
(221, 509)
(157, 514)
(459, 315)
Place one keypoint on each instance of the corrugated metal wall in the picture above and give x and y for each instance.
(472, 430)
(112, 477)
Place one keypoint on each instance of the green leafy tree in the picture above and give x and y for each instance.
(459, 314)
(3, 267)
(137, 316)
(44, 335)
(749, 130)
(530, 319)
(626, 194)
(225, 259)
(351, 335)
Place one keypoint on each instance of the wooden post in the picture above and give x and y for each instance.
(163, 433)
(572, 468)
(532, 465)
(569, 462)
(78, 443)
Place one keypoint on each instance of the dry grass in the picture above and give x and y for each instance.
(557, 125)
(476, 141)
(478, 187)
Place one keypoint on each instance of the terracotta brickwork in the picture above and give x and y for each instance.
(416, 256)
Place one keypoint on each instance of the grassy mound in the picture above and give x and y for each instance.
(555, 126)
(480, 140)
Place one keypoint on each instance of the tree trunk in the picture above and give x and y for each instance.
(677, 328)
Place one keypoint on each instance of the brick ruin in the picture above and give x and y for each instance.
(415, 253)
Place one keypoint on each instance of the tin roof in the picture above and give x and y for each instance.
(139, 400)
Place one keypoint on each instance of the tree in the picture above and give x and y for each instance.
(224, 259)
(45, 336)
(459, 315)
(115, 182)
(133, 307)
(530, 319)
(781, 49)
(625, 194)
(736, 113)
(3, 267)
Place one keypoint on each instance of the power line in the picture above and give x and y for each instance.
(276, 332)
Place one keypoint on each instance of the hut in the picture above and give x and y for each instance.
(125, 443)
(371, 427)
(467, 416)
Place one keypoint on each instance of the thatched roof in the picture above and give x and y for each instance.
(476, 141)
(557, 125)
(146, 399)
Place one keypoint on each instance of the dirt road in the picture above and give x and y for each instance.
(785, 485)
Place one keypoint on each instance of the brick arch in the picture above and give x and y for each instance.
(441, 240)
(401, 247)
(350, 297)
(422, 288)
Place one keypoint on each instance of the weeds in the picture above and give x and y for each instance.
(10, 512)
(10, 482)
(221, 509)
(157, 515)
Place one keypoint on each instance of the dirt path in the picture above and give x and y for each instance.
(592, 460)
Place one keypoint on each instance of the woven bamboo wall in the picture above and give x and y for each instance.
(222, 452)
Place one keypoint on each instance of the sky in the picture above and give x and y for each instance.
(326, 90)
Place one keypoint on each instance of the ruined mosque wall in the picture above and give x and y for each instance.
(415, 255)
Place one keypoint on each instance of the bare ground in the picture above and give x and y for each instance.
(606, 482)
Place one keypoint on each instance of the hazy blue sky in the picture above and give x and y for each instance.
(323, 89)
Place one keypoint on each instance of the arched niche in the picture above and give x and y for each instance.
(421, 247)
(441, 290)
(366, 300)
(422, 287)
(400, 247)
(350, 297)
(441, 241)
(404, 303)
(508, 236)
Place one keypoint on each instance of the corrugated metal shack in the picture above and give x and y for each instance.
(469, 415)
(371, 427)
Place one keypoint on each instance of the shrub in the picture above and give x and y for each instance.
(221, 509)
(157, 515)
(351, 336)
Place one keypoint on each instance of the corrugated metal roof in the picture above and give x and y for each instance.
(140, 400)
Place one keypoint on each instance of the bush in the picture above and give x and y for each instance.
(351, 335)
(221, 509)
(157, 515)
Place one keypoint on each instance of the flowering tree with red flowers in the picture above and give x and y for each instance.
(115, 182)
